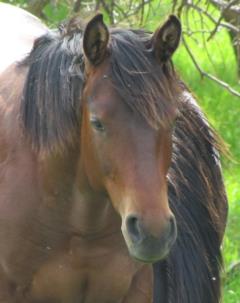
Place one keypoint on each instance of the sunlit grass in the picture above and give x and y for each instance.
(231, 247)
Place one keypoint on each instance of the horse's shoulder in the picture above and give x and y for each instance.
(18, 30)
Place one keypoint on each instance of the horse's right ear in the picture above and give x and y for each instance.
(95, 40)
(166, 39)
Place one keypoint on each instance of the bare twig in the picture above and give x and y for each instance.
(36, 7)
(135, 10)
(211, 18)
(207, 75)
(108, 10)
(77, 6)
(142, 12)
(190, 33)
(231, 3)
(224, 4)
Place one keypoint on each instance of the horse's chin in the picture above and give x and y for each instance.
(150, 250)
(148, 258)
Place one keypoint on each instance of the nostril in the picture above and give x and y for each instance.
(134, 228)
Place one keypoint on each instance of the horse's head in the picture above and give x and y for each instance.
(128, 109)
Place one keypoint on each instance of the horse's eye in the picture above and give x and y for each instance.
(97, 124)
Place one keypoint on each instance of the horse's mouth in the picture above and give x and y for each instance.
(151, 250)
(143, 244)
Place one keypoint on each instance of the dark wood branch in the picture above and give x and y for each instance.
(77, 6)
(108, 11)
(142, 12)
(224, 5)
(227, 7)
(210, 17)
(36, 7)
(97, 6)
(135, 11)
(207, 75)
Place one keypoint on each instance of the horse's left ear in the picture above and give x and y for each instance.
(95, 40)
(166, 39)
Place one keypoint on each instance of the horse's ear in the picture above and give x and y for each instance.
(95, 40)
(166, 39)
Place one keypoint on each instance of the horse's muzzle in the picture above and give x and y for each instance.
(144, 246)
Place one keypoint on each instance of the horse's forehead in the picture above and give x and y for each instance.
(106, 103)
(99, 86)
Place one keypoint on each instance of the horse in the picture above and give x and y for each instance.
(111, 188)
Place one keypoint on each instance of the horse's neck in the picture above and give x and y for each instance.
(93, 215)
(90, 213)
(22, 29)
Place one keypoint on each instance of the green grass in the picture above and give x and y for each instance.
(231, 247)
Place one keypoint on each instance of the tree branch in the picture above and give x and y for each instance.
(207, 75)
(135, 11)
(210, 17)
(36, 7)
(223, 5)
(227, 7)
(77, 6)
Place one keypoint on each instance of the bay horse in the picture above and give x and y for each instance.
(110, 182)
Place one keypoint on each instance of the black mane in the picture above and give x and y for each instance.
(51, 100)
